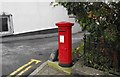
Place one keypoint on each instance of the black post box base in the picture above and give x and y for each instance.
(65, 65)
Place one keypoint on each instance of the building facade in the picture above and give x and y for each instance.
(34, 16)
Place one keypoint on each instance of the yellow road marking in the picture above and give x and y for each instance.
(25, 65)
(24, 71)
(36, 61)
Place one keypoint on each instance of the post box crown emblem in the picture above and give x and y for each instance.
(64, 23)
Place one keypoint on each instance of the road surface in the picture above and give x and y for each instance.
(24, 56)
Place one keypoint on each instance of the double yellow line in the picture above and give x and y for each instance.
(26, 66)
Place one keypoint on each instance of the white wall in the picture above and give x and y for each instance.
(33, 16)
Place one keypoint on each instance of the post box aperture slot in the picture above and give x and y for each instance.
(61, 30)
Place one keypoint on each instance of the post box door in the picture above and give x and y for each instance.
(63, 45)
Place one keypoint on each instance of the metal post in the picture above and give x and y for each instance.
(95, 42)
(84, 46)
(89, 43)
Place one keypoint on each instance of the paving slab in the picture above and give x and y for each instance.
(45, 69)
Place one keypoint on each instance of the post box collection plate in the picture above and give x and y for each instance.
(61, 38)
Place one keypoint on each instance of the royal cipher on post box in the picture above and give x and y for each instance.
(64, 43)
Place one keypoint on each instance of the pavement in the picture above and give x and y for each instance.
(78, 69)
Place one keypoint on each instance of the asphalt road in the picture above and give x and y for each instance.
(24, 56)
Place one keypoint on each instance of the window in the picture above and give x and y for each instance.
(6, 24)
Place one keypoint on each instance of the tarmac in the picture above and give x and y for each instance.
(29, 37)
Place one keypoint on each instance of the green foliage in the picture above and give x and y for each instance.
(79, 51)
(97, 60)
(99, 18)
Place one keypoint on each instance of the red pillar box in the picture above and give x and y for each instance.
(65, 43)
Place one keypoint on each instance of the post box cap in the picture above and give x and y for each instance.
(64, 23)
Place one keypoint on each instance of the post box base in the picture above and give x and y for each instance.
(66, 65)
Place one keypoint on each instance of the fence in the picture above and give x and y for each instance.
(99, 54)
